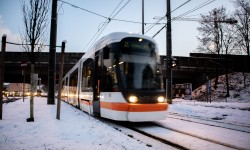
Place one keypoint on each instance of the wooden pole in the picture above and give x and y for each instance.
(60, 82)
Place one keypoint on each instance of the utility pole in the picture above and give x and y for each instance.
(60, 82)
(142, 16)
(169, 54)
(52, 52)
(2, 73)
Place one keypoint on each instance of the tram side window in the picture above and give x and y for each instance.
(108, 76)
(86, 78)
(73, 82)
(66, 88)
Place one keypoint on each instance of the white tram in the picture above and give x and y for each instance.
(119, 78)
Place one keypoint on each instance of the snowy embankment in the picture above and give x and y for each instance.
(75, 130)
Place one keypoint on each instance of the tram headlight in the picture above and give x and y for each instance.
(161, 99)
(133, 99)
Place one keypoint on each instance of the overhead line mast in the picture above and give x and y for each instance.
(142, 16)
(169, 54)
(52, 58)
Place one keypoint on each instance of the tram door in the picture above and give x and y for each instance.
(97, 82)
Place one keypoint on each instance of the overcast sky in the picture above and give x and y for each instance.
(78, 27)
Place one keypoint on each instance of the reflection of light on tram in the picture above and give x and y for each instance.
(119, 78)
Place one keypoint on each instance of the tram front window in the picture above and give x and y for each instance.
(138, 66)
(140, 72)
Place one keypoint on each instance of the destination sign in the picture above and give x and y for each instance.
(137, 45)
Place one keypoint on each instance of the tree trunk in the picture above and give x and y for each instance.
(31, 119)
(227, 82)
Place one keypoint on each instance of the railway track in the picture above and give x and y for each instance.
(173, 137)
(146, 138)
(212, 122)
(153, 131)
(177, 138)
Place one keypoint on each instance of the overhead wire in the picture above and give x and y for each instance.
(180, 6)
(111, 19)
(158, 31)
(106, 23)
(102, 16)
(187, 12)
(157, 22)
(194, 9)
(12, 43)
(102, 25)
(115, 8)
(108, 19)
(83, 9)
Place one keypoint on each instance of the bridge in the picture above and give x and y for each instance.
(196, 68)
(193, 69)
(13, 70)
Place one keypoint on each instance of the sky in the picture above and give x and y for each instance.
(78, 27)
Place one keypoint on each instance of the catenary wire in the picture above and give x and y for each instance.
(98, 33)
(105, 17)
(187, 12)
(110, 20)
(84, 9)
(157, 22)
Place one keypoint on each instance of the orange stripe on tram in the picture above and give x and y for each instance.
(135, 107)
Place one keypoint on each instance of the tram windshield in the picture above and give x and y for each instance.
(138, 65)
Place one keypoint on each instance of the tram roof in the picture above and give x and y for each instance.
(117, 37)
(111, 38)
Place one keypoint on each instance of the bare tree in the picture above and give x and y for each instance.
(35, 19)
(228, 38)
(218, 36)
(211, 35)
(210, 31)
(242, 14)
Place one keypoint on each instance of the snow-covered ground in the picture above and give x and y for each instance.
(231, 112)
(239, 89)
(77, 130)
(224, 123)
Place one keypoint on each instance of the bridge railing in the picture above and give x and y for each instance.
(211, 62)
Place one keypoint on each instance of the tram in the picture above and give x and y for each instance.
(119, 78)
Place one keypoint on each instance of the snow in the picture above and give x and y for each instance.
(78, 130)
(234, 114)
(226, 111)
(75, 129)
(238, 89)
